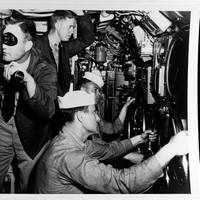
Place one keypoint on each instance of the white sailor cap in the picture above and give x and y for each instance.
(95, 76)
(75, 99)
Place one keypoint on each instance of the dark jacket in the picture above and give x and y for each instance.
(85, 36)
(33, 114)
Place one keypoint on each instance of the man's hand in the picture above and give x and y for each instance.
(144, 137)
(10, 69)
(152, 135)
(28, 80)
(177, 146)
(149, 135)
(128, 102)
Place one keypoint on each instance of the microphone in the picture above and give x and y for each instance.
(18, 76)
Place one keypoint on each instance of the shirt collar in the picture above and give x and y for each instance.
(70, 132)
(52, 42)
(25, 64)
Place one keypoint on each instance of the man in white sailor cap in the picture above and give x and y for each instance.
(92, 82)
(66, 167)
(95, 76)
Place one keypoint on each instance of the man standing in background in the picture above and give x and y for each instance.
(58, 46)
(64, 24)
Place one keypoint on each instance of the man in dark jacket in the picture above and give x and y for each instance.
(58, 46)
(25, 131)
(63, 26)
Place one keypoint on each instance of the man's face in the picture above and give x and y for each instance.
(16, 51)
(93, 88)
(91, 119)
(65, 28)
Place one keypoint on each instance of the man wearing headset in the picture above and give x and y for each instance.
(28, 102)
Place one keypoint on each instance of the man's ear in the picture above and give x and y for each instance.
(57, 25)
(29, 45)
(83, 88)
(79, 116)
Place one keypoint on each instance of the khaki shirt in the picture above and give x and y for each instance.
(67, 168)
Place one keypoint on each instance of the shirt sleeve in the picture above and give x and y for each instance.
(42, 103)
(107, 151)
(110, 128)
(85, 36)
(96, 176)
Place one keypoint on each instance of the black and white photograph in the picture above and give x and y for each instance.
(99, 100)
